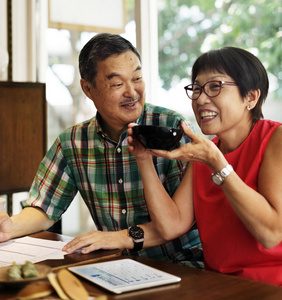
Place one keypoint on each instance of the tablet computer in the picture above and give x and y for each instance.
(124, 275)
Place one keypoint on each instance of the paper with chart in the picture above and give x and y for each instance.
(27, 248)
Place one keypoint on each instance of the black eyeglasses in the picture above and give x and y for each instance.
(210, 88)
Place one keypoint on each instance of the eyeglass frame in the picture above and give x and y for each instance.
(203, 88)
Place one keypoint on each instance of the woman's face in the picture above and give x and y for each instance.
(225, 115)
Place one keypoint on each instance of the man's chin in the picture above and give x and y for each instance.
(135, 113)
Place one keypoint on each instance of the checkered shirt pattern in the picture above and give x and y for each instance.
(83, 159)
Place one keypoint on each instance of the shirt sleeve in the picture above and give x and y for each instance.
(53, 187)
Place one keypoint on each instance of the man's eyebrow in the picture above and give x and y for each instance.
(110, 76)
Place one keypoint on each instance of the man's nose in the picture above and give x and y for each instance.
(129, 90)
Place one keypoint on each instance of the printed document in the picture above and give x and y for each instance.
(27, 248)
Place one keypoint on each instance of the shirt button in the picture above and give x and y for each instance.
(118, 150)
(120, 181)
(123, 211)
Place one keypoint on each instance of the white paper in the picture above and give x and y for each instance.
(32, 249)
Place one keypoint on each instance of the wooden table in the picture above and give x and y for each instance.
(195, 283)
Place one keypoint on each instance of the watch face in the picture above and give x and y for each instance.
(217, 179)
(136, 232)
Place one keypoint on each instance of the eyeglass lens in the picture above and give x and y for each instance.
(211, 89)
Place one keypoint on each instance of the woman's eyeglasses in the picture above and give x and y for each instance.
(210, 88)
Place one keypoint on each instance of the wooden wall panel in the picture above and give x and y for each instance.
(22, 134)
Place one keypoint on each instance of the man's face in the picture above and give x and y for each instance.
(119, 94)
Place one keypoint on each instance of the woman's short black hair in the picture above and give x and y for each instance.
(244, 67)
(99, 48)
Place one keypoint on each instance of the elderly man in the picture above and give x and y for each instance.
(92, 158)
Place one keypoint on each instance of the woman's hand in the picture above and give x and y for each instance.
(200, 149)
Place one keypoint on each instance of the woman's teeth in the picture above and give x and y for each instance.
(208, 115)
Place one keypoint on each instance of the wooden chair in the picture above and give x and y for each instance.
(23, 135)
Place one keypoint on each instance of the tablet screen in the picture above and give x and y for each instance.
(124, 275)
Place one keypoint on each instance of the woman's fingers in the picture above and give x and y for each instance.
(188, 131)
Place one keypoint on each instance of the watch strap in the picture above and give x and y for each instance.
(218, 178)
(226, 171)
(138, 244)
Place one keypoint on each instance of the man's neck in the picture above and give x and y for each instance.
(113, 133)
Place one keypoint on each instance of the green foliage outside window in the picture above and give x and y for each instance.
(188, 28)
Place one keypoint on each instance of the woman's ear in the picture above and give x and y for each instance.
(86, 87)
(252, 98)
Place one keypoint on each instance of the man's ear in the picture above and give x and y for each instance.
(252, 98)
(86, 87)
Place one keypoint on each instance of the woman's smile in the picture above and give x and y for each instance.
(207, 115)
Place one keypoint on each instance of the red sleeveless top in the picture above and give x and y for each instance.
(227, 245)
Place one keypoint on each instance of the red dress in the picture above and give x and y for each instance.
(227, 245)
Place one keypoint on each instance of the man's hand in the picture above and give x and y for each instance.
(135, 148)
(95, 240)
(5, 227)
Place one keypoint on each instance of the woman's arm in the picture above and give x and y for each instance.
(260, 211)
(171, 217)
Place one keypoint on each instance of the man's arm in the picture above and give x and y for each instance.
(96, 240)
(28, 221)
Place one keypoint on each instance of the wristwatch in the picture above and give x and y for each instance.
(218, 178)
(137, 234)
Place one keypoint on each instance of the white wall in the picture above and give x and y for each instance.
(29, 21)
(3, 27)
(3, 34)
(146, 18)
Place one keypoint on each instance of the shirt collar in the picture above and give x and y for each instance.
(98, 122)
(100, 131)
(139, 121)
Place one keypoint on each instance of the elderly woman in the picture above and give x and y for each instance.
(233, 185)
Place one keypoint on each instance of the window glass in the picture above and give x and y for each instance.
(188, 28)
(67, 104)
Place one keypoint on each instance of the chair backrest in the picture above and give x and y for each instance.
(23, 134)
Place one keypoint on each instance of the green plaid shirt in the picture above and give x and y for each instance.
(83, 159)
